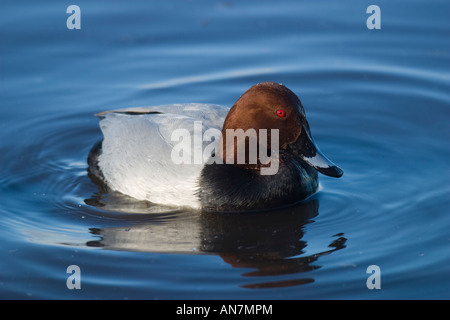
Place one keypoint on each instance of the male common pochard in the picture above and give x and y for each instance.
(180, 155)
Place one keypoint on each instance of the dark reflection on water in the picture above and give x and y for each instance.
(270, 243)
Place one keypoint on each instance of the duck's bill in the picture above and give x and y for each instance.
(322, 164)
(308, 151)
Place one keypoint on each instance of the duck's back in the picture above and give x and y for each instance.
(135, 156)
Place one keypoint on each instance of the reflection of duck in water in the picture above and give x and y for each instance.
(135, 157)
(268, 242)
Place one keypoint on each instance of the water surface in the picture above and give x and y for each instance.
(377, 102)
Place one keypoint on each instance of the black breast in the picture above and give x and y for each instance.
(224, 187)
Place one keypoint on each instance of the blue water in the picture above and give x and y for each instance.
(378, 103)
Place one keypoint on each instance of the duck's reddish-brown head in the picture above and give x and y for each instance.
(269, 106)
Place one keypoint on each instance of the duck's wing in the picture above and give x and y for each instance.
(143, 147)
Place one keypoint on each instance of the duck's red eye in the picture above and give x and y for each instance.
(281, 113)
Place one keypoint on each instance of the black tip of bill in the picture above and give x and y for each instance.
(333, 171)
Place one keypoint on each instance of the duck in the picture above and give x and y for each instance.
(257, 155)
